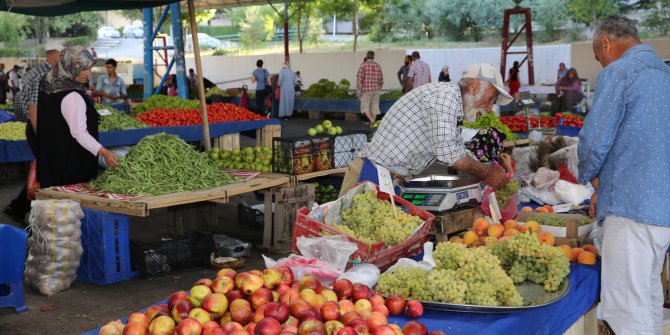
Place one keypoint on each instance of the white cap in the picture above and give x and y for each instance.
(483, 71)
(53, 45)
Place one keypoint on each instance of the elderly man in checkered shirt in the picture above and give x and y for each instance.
(423, 126)
(369, 86)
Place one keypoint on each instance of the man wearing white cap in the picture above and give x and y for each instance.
(25, 106)
(423, 126)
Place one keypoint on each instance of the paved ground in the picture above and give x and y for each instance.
(84, 306)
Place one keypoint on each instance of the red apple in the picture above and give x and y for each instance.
(350, 316)
(225, 318)
(256, 272)
(272, 278)
(383, 330)
(228, 327)
(288, 296)
(361, 292)
(376, 299)
(260, 297)
(181, 309)
(268, 326)
(414, 328)
(134, 328)
(310, 315)
(281, 288)
(250, 328)
(414, 309)
(162, 325)
(312, 327)
(299, 307)
(240, 311)
(287, 277)
(343, 288)
(260, 314)
(200, 314)
(248, 283)
(395, 304)
(156, 311)
(375, 320)
(330, 311)
(222, 284)
(309, 282)
(208, 327)
(139, 317)
(198, 293)
(215, 303)
(227, 272)
(381, 309)
(112, 328)
(234, 295)
(189, 326)
(176, 296)
(292, 322)
(285, 332)
(346, 306)
(333, 326)
(347, 331)
(238, 332)
(203, 281)
(360, 326)
(277, 310)
(217, 331)
(437, 332)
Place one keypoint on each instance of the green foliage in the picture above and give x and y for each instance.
(327, 89)
(589, 11)
(79, 24)
(201, 16)
(14, 52)
(11, 29)
(131, 14)
(551, 15)
(659, 17)
(257, 26)
(219, 30)
(81, 40)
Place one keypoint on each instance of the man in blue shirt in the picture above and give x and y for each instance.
(624, 152)
(112, 88)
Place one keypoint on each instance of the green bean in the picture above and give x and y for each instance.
(161, 164)
(119, 121)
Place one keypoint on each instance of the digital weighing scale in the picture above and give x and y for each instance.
(439, 193)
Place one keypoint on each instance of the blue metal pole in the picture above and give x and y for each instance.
(179, 50)
(148, 53)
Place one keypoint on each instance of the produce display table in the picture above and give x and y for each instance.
(571, 315)
(326, 105)
(19, 151)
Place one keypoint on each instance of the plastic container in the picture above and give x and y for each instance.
(227, 246)
(154, 259)
(106, 257)
(375, 253)
(249, 216)
(302, 154)
(13, 255)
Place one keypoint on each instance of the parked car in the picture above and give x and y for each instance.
(205, 41)
(133, 32)
(108, 32)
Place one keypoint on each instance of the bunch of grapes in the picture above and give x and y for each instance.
(528, 259)
(372, 219)
(406, 282)
(504, 194)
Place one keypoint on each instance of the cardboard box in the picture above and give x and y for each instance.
(572, 234)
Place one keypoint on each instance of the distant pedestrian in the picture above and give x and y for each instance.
(286, 84)
(14, 80)
(298, 83)
(562, 71)
(4, 85)
(369, 82)
(444, 75)
(95, 54)
(261, 77)
(419, 73)
(513, 81)
(402, 73)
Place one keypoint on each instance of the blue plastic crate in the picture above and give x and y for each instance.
(562, 130)
(13, 255)
(106, 243)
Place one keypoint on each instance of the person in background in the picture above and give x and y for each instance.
(14, 80)
(418, 74)
(623, 152)
(67, 123)
(562, 71)
(444, 75)
(369, 82)
(286, 82)
(25, 109)
(423, 127)
(4, 85)
(298, 84)
(112, 88)
(568, 91)
(95, 54)
(261, 77)
(513, 80)
(402, 72)
(192, 81)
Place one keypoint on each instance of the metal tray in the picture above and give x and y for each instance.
(531, 292)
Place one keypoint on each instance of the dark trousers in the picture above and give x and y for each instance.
(260, 102)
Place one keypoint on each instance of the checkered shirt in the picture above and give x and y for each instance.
(31, 89)
(421, 127)
(371, 77)
(420, 72)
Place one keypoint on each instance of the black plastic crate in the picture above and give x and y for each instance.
(303, 154)
(154, 259)
(348, 146)
(249, 216)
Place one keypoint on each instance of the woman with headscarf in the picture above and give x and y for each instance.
(286, 83)
(67, 123)
(568, 91)
(444, 75)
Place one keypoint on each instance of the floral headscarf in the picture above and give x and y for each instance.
(62, 77)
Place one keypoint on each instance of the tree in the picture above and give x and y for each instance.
(201, 16)
(79, 24)
(659, 18)
(308, 23)
(257, 25)
(476, 17)
(13, 28)
(132, 14)
(551, 15)
(590, 11)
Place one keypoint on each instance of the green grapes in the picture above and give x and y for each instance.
(504, 194)
(549, 220)
(370, 219)
(528, 259)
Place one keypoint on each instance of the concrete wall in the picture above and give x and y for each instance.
(587, 66)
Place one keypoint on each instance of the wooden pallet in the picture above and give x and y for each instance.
(278, 228)
(453, 222)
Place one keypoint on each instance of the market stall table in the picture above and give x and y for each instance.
(557, 318)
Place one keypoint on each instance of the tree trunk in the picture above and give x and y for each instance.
(301, 36)
(355, 24)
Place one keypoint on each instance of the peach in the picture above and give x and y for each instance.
(511, 232)
(541, 210)
(496, 230)
(590, 248)
(510, 224)
(546, 237)
(456, 239)
(575, 254)
(566, 250)
(526, 209)
(480, 226)
(470, 237)
(549, 208)
(523, 229)
(586, 257)
(534, 226)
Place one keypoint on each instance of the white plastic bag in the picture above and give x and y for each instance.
(570, 193)
(301, 266)
(366, 274)
(596, 236)
(120, 152)
(334, 250)
(426, 264)
(54, 247)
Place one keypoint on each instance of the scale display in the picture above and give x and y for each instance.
(442, 192)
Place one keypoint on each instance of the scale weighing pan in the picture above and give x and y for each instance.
(442, 181)
(441, 193)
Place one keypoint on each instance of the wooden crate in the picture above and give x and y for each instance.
(315, 115)
(352, 117)
(453, 222)
(278, 228)
(227, 142)
(264, 135)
